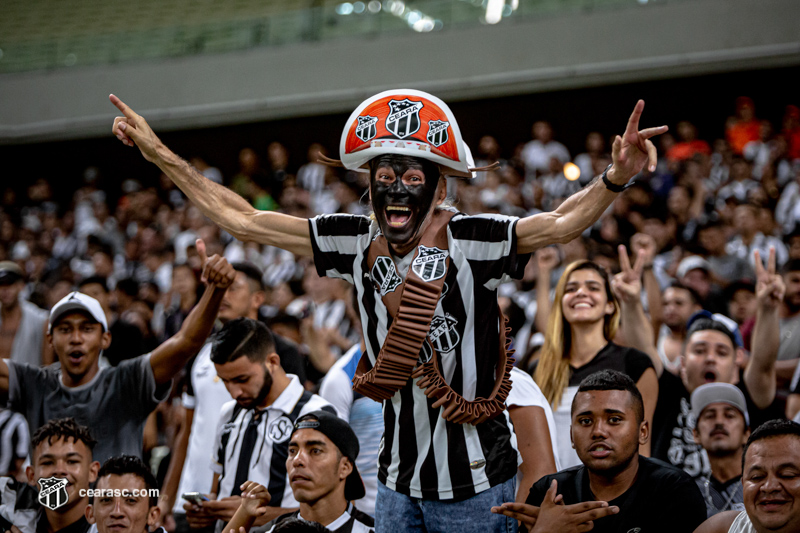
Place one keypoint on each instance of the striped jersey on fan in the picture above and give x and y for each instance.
(267, 462)
(423, 455)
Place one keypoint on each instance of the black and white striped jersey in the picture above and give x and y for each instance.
(268, 460)
(351, 521)
(422, 455)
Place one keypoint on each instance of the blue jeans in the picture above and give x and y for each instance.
(395, 512)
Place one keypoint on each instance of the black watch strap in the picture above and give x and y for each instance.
(613, 187)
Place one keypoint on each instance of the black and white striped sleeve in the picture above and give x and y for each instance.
(335, 241)
(489, 243)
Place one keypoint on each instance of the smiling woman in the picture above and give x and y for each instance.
(583, 322)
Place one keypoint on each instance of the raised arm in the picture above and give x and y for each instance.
(759, 375)
(226, 208)
(630, 153)
(173, 353)
(636, 330)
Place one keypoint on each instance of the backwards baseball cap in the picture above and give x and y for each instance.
(77, 301)
(705, 395)
(405, 122)
(341, 434)
(10, 272)
(729, 324)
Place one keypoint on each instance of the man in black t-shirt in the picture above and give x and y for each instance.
(711, 354)
(615, 488)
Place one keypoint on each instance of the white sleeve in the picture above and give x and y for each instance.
(337, 389)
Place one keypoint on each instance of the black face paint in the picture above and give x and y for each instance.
(402, 207)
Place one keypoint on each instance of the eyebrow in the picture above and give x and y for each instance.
(606, 411)
(54, 456)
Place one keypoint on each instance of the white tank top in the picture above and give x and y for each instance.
(742, 524)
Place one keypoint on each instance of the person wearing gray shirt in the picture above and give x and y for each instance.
(112, 402)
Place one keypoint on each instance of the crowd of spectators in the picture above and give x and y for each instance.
(695, 223)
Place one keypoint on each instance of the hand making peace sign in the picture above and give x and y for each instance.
(627, 285)
(634, 148)
(769, 285)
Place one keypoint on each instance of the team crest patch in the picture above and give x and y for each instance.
(385, 275)
(443, 335)
(430, 263)
(403, 118)
(366, 128)
(280, 430)
(437, 132)
(53, 492)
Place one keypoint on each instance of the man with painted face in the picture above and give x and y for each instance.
(425, 278)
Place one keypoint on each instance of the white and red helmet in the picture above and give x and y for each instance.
(405, 122)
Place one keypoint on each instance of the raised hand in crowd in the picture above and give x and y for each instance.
(171, 356)
(770, 287)
(760, 373)
(627, 284)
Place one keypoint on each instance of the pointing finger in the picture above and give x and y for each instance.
(127, 111)
(633, 122)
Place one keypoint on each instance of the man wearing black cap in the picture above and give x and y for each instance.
(323, 475)
(22, 324)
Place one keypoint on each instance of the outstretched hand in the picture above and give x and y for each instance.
(634, 149)
(217, 270)
(133, 130)
(555, 517)
(627, 284)
(769, 285)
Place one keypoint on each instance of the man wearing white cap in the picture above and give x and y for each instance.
(722, 427)
(425, 278)
(112, 402)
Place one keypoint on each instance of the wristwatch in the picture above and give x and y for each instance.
(613, 187)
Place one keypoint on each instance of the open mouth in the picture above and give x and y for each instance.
(398, 215)
(709, 377)
(599, 451)
(75, 357)
(582, 305)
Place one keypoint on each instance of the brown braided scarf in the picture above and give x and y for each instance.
(411, 305)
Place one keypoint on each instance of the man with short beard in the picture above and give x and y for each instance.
(205, 394)
(253, 430)
(721, 428)
(426, 278)
(63, 449)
